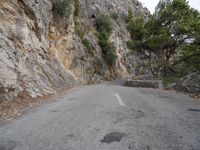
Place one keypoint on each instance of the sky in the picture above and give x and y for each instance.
(151, 4)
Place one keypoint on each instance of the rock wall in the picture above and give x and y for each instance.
(25, 64)
(38, 57)
(93, 68)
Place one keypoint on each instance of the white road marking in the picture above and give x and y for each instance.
(120, 100)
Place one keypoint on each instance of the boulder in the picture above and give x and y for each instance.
(189, 83)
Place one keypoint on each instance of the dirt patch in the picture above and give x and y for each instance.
(10, 109)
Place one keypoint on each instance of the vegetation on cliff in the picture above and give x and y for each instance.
(63, 8)
(104, 27)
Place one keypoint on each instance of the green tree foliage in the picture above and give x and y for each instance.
(104, 27)
(170, 37)
(136, 29)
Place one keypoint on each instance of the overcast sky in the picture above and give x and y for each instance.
(151, 4)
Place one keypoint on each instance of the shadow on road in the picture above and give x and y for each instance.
(196, 110)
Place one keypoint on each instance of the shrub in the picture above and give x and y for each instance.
(62, 8)
(104, 26)
(77, 7)
(108, 49)
(110, 54)
(88, 46)
(79, 28)
(114, 15)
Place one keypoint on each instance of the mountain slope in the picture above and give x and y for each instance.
(40, 54)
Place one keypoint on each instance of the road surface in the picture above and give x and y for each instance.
(107, 117)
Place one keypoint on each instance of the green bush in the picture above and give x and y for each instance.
(62, 8)
(77, 7)
(79, 28)
(108, 49)
(88, 46)
(114, 15)
(104, 26)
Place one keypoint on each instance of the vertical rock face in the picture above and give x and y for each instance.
(37, 57)
(25, 65)
(92, 68)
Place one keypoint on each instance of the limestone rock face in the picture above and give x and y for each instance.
(25, 65)
(125, 62)
(189, 83)
(38, 56)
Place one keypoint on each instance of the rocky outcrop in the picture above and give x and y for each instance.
(39, 56)
(189, 83)
(25, 65)
(94, 68)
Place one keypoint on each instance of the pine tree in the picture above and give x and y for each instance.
(168, 38)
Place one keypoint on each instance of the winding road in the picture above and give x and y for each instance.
(107, 117)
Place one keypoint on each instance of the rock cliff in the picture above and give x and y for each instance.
(39, 54)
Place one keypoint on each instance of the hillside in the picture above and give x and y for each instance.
(43, 49)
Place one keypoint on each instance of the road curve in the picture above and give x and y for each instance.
(107, 117)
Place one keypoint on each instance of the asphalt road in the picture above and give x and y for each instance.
(107, 117)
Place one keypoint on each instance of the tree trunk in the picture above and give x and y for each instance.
(166, 67)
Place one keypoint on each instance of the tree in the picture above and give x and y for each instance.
(167, 36)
